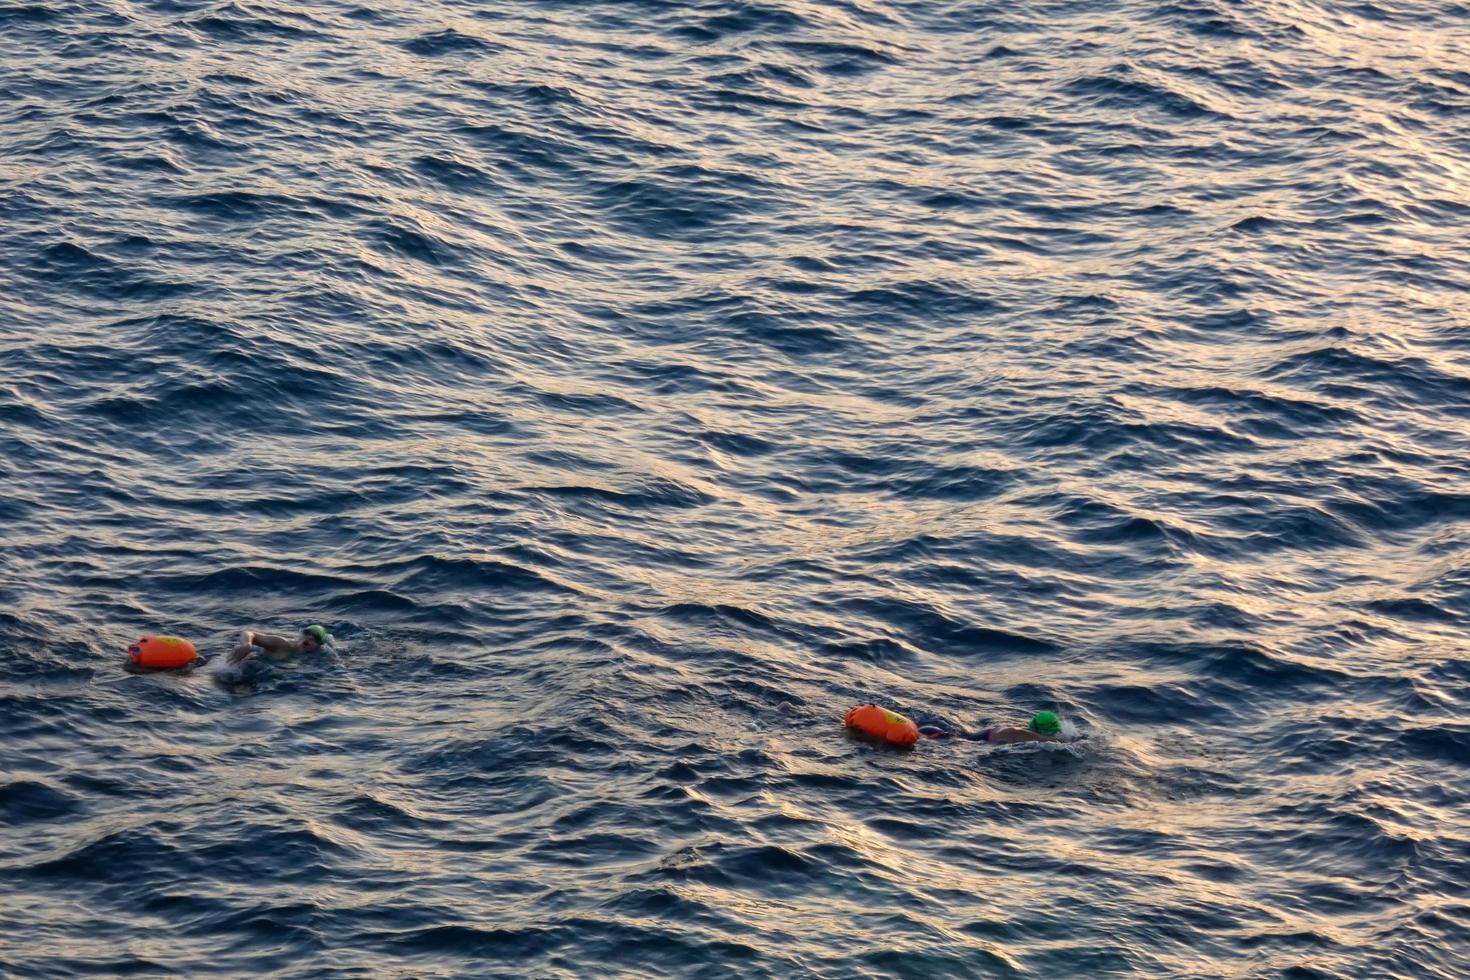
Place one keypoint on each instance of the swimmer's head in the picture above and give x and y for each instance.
(313, 638)
(1046, 723)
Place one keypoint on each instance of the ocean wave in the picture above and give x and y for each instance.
(633, 388)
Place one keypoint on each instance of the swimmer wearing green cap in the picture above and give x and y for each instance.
(1045, 726)
(312, 639)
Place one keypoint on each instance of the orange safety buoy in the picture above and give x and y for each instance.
(882, 723)
(162, 651)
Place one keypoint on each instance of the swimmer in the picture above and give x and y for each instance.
(1044, 727)
(312, 639)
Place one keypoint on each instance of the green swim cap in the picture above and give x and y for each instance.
(1046, 723)
(320, 632)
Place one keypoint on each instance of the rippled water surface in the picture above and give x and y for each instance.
(633, 387)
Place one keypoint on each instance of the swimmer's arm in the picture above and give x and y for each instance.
(1011, 736)
(269, 642)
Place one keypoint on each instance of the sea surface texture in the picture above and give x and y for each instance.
(633, 387)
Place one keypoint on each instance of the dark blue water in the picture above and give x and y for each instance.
(633, 387)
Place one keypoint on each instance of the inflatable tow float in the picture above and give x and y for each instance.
(880, 723)
(162, 652)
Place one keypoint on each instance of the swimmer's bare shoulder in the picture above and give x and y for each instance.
(1012, 736)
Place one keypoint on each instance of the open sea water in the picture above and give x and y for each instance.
(633, 387)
